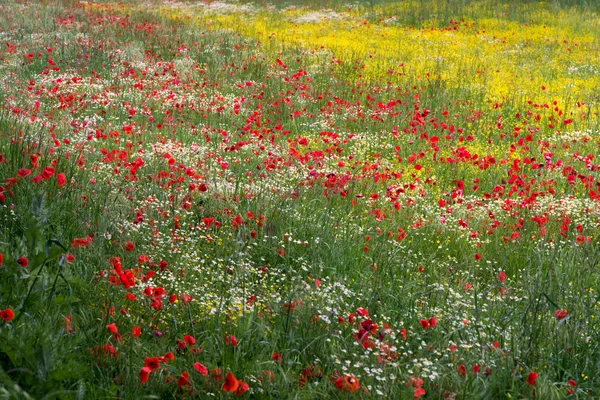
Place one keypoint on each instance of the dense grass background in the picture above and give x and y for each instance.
(296, 193)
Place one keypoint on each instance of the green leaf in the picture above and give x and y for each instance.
(70, 370)
(44, 360)
(62, 300)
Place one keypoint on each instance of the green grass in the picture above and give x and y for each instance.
(319, 214)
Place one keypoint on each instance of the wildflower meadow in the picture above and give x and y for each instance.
(299, 199)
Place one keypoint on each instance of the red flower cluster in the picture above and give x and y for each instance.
(188, 342)
(155, 294)
(231, 340)
(430, 323)
(416, 383)
(152, 364)
(233, 385)
(118, 276)
(78, 243)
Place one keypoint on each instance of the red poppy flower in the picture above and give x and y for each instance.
(128, 246)
(7, 315)
(242, 388)
(561, 314)
(23, 172)
(162, 264)
(143, 259)
(572, 385)
(502, 276)
(112, 328)
(78, 243)
(532, 377)
(362, 312)
(68, 326)
(185, 299)
(184, 379)
(231, 384)
(23, 262)
(202, 370)
(231, 340)
(61, 180)
(236, 222)
(347, 383)
(428, 323)
(189, 340)
(136, 331)
(47, 172)
(144, 374)
(462, 370)
(152, 363)
(369, 326)
(1, 259)
(216, 374)
(418, 393)
(414, 382)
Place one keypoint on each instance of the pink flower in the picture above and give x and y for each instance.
(501, 276)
